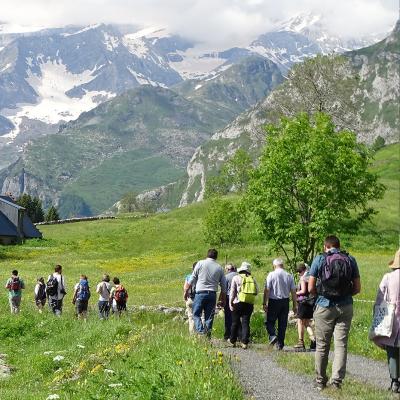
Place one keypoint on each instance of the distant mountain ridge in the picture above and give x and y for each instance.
(380, 113)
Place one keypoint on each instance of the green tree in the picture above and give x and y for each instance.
(321, 84)
(52, 214)
(223, 222)
(234, 175)
(311, 181)
(129, 202)
(33, 207)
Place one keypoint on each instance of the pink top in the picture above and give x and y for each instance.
(391, 284)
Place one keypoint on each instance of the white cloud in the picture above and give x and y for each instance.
(221, 22)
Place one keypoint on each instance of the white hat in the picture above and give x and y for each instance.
(278, 262)
(245, 266)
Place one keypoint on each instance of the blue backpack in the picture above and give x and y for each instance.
(83, 290)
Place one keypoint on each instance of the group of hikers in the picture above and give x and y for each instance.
(111, 297)
(322, 302)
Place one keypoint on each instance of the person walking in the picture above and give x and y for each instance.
(242, 296)
(189, 300)
(104, 290)
(305, 309)
(81, 297)
(230, 273)
(119, 297)
(389, 290)
(40, 294)
(56, 290)
(335, 278)
(206, 277)
(15, 285)
(279, 285)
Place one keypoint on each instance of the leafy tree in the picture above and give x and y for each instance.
(378, 144)
(311, 181)
(234, 174)
(322, 84)
(33, 207)
(129, 202)
(52, 214)
(223, 222)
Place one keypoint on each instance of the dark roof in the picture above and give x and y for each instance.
(8, 200)
(6, 227)
(30, 230)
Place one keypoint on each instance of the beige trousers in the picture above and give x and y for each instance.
(330, 321)
(189, 313)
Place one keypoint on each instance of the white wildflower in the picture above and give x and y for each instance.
(113, 385)
(109, 371)
(80, 346)
(58, 358)
(53, 397)
(46, 353)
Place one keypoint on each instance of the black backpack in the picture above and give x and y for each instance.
(335, 277)
(41, 295)
(52, 286)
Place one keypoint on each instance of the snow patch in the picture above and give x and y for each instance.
(135, 45)
(151, 32)
(111, 42)
(53, 104)
(5, 68)
(88, 28)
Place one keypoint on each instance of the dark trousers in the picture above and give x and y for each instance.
(241, 318)
(104, 309)
(393, 357)
(278, 310)
(228, 319)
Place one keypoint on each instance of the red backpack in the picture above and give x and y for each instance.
(15, 284)
(120, 295)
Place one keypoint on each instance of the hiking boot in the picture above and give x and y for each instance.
(319, 385)
(244, 346)
(273, 340)
(395, 386)
(233, 344)
(336, 385)
(313, 345)
(299, 345)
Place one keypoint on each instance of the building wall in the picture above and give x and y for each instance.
(14, 214)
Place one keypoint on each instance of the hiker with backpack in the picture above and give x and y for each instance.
(15, 285)
(81, 297)
(104, 291)
(242, 296)
(119, 297)
(305, 309)
(189, 300)
(279, 285)
(385, 332)
(335, 278)
(56, 290)
(40, 294)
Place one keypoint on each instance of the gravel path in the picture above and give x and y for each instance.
(263, 379)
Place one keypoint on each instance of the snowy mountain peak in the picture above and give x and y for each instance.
(301, 23)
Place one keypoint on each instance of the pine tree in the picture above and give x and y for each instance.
(52, 214)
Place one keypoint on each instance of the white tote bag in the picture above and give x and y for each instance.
(382, 321)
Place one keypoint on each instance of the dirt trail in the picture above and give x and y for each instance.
(263, 378)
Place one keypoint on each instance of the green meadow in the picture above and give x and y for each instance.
(150, 355)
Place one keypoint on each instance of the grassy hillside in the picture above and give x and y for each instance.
(151, 355)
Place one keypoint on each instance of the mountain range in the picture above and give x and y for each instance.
(90, 113)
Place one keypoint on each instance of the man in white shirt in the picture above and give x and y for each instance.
(104, 290)
(279, 285)
(56, 290)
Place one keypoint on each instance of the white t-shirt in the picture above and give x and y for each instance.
(104, 289)
(61, 288)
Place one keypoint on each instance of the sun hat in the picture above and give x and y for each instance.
(244, 267)
(396, 262)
